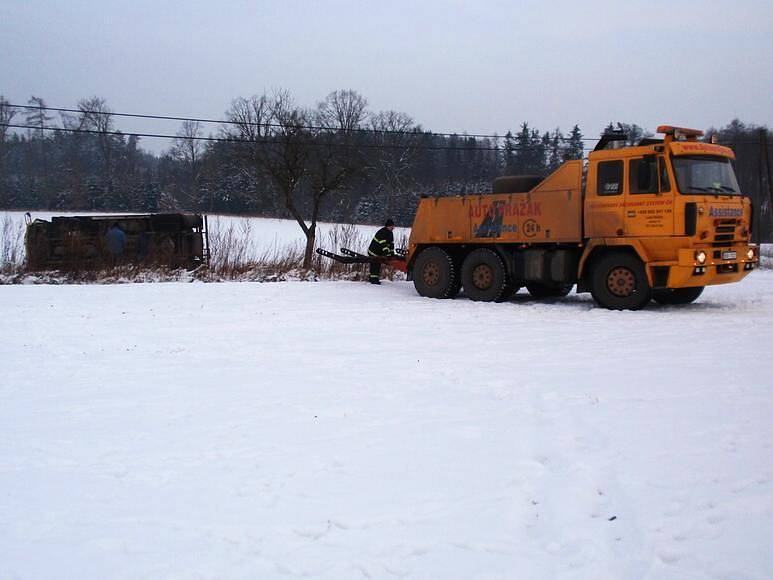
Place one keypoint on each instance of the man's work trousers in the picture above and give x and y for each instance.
(375, 271)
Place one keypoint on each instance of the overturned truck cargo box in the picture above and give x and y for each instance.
(103, 241)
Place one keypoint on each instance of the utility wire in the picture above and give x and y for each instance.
(312, 143)
(272, 125)
(415, 131)
(259, 141)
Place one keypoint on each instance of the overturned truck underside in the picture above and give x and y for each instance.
(82, 242)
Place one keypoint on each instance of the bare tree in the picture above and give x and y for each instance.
(96, 116)
(188, 150)
(335, 157)
(7, 113)
(396, 134)
(74, 158)
(36, 116)
(276, 141)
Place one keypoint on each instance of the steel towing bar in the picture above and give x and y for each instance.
(397, 261)
(352, 257)
(399, 253)
(342, 259)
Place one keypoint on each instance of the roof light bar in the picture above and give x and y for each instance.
(679, 132)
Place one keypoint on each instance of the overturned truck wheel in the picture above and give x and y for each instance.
(434, 275)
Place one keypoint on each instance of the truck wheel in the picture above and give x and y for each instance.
(515, 183)
(434, 275)
(484, 276)
(547, 290)
(619, 282)
(677, 295)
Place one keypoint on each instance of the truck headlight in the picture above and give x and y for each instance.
(750, 253)
(701, 257)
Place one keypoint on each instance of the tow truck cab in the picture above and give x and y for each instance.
(676, 202)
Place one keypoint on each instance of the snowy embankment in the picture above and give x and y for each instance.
(260, 235)
(341, 430)
(766, 255)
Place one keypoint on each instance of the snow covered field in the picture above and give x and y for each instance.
(338, 430)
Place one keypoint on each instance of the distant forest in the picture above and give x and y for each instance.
(338, 161)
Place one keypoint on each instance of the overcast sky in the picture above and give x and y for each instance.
(453, 65)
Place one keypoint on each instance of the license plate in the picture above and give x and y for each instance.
(729, 255)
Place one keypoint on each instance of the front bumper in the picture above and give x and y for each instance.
(688, 271)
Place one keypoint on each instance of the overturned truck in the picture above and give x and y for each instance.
(94, 242)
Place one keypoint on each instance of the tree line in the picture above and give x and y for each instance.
(336, 161)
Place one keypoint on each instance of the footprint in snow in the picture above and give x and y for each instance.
(670, 557)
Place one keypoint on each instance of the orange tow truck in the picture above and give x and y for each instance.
(660, 220)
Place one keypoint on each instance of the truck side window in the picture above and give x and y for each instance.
(643, 175)
(665, 184)
(609, 178)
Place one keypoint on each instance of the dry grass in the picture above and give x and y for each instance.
(11, 245)
(234, 254)
(230, 247)
(341, 236)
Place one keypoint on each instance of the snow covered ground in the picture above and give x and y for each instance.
(340, 430)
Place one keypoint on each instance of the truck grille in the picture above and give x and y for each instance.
(724, 232)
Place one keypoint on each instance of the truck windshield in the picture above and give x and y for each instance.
(705, 174)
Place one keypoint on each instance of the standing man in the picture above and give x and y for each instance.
(382, 246)
(115, 241)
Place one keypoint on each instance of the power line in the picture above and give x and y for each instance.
(257, 141)
(311, 143)
(272, 125)
(415, 131)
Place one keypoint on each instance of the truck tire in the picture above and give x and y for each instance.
(547, 290)
(434, 275)
(515, 183)
(677, 295)
(618, 281)
(484, 276)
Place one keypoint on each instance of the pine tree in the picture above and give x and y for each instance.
(554, 155)
(538, 153)
(508, 158)
(523, 152)
(574, 146)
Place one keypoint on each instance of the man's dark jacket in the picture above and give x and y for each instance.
(383, 243)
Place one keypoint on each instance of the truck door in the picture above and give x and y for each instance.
(649, 202)
(604, 200)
